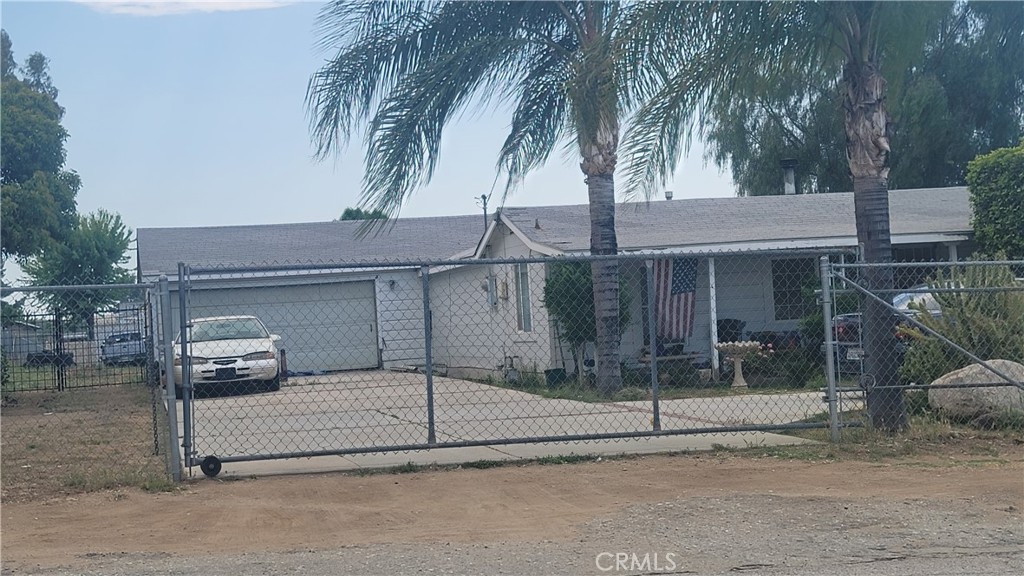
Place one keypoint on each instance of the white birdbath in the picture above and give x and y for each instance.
(737, 351)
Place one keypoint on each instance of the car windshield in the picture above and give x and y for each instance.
(227, 329)
(903, 301)
(127, 337)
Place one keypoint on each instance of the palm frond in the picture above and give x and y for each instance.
(730, 50)
(405, 135)
(538, 122)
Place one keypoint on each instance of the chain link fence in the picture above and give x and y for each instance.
(313, 359)
(946, 338)
(82, 402)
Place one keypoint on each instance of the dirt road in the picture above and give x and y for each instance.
(706, 514)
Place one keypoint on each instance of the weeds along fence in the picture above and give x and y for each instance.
(82, 401)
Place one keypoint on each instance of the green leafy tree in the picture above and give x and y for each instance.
(963, 98)
(799, 119)
(569, 298)
(93, 254)
(571, 73)
(996, 183)
(729, 50)
(360, 214)
(13, 311)
(7, 64)
(38, 194)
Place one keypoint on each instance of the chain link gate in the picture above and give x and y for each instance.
(313, 359)
(946, 317)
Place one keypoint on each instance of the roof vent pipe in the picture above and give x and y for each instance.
(668, 194)
(789, 175)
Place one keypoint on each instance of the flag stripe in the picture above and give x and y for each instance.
(675, 283)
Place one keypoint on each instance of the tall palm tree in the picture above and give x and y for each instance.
(732, 49)
(571, 71)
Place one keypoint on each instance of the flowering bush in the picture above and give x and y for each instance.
(762, 360)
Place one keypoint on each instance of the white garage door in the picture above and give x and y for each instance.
(323, 327)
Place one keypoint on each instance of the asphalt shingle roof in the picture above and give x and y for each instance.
(409, 239)
(762, 219)
(654, 225)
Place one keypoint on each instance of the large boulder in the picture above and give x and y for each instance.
(981, 403)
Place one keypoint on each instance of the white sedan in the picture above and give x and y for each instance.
(230, 350)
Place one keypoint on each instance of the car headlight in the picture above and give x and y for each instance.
(266, 355)
(196, 360)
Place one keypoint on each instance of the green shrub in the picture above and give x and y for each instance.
(996, 182)
(800, 366)
(988, 324)
(677, 374)
(636, 377)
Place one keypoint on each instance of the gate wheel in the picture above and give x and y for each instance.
(210, 466)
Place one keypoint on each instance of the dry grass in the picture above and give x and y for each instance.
(928, 438)
(53, 444)
(34, 378)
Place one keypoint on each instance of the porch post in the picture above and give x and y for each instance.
(953, 256)
(713, 305)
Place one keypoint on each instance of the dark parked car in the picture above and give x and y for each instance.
(846, 328)
(50, 358)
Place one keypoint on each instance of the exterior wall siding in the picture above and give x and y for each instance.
(400, 317)
(475, 338)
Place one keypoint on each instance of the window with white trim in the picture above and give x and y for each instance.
(789, 279)
(522, 277)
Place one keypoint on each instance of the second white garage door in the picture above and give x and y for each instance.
(323, 327)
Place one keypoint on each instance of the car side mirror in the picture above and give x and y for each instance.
(275, 337)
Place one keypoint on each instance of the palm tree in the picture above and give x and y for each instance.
(732, 49)
(569, 70)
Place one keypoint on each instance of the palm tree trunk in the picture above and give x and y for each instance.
(598, 136)
(601, 189)
(867, 134)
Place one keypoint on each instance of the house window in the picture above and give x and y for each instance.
(523, 319)
(789, 279)
(904, 277)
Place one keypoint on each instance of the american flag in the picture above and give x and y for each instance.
(675, 285)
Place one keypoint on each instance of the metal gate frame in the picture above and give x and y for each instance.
(211, 464)
(836, 273)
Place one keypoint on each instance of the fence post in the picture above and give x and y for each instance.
(428, 327)
(170, 398)
(652, 338)
(716, 366)
(186, 366)
(830, 361)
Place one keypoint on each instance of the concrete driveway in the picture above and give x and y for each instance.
(370, 409)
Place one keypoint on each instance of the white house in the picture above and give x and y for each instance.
(357, 303)
(331, 316)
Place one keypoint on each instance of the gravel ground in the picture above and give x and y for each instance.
(749, 534)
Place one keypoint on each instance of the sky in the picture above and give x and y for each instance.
(192, 114)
